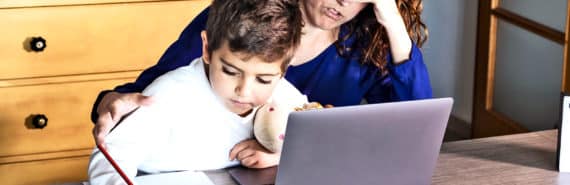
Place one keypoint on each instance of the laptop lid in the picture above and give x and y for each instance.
(388, 143)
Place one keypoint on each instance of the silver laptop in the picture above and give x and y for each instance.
(388, 143)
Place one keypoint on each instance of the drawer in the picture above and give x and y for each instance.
(37, 3)
(66, 104)
(91, 38)
(57, 171)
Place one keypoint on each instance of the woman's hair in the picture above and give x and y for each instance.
(375, 48)
(269, 29)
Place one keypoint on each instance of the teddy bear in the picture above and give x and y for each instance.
(270, 120)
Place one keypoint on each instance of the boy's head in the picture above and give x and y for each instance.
(247, 46)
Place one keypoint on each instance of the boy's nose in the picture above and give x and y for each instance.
(244, 89)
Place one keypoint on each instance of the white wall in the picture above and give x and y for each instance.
(450, 51)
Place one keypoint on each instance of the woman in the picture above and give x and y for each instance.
(351, 50)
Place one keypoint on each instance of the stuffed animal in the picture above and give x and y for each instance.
(271, 120)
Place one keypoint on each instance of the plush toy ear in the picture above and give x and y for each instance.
(269, 126)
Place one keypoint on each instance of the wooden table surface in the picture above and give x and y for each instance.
(528, 158)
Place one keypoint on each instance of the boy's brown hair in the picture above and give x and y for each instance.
(269, 29)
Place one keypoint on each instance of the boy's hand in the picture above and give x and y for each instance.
(112, 108)
(253, 155)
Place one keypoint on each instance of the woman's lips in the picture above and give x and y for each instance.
(333, 14)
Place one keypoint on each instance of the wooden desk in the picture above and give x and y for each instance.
(528, 158)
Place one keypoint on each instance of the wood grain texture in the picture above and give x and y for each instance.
(566, 63)
(67, 107)
(514, 159)
(91, 39)
(54, 171)
(485, 120)
(530, 25)
(6, 4)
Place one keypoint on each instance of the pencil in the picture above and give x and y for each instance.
(110, 159)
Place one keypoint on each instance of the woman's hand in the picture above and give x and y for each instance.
(253, 155)
(389, 16)
(112, 108)
(386, 11)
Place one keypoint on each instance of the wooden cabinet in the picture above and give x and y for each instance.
(91, 45)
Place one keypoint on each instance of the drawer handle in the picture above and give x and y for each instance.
(40, 121)
(38, 44)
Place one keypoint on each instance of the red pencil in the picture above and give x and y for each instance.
(110, 159)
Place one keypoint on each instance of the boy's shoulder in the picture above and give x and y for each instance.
(286, 92)
(186, 78)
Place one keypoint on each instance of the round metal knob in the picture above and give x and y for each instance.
(40, 121)
(38, 44)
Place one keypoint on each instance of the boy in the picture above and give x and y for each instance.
(202, 110)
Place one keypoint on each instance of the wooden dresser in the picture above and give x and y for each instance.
(90, 45)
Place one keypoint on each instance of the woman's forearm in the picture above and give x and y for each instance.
(400, 42)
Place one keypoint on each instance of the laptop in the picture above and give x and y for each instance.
(389, 143)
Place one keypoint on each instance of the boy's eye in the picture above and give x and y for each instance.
(228, 71)
(262, 81)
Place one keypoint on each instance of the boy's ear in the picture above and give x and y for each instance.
(205, 54)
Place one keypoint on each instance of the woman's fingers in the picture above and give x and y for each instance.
(113, 107)
(102, 127)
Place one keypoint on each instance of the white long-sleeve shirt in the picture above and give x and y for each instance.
(186, 128)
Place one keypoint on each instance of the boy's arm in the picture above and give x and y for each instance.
(129, 144)
(133, 141)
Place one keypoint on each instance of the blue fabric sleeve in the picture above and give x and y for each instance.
(180, 53)
(408, 80)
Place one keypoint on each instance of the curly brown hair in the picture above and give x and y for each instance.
(366, 28)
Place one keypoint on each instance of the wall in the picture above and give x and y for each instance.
(450, 51)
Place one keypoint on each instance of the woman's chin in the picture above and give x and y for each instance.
(328, 25)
